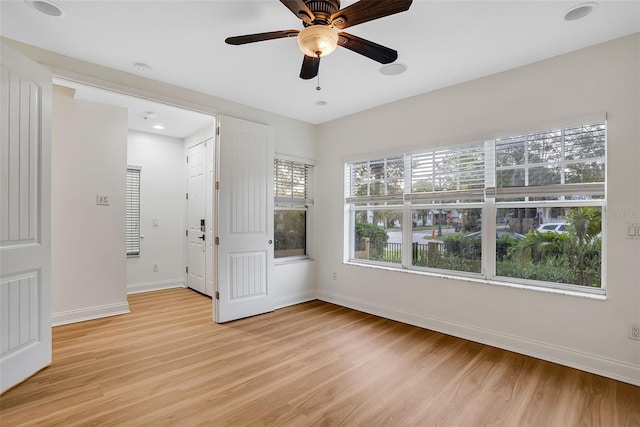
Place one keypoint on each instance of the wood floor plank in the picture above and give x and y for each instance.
(167, 364)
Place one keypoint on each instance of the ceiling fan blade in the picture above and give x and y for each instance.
(251, 38)
(375, 51)
(366, 10)
(299, 9)
(310, 66)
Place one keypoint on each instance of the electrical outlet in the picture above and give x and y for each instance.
(335, 276)
(156, 267)
(634, 331)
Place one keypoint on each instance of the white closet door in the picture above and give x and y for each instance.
(25, 218)
(245, 219)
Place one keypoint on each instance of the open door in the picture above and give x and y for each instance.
(25, 218)
(245, 219)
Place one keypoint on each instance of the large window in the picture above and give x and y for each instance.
(133, 211)
(525, 209)
(291, 208)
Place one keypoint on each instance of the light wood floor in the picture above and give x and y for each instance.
(166, 363)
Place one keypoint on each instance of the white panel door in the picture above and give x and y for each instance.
(245, 219)
(196, 214)
(25, 218)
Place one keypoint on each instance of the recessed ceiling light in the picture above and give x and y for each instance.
(580, 11)
(139, 66)
(47, 7)
(159, 127)
(393, 69)
(322, 103)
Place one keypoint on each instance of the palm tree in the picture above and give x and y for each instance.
(583, 247)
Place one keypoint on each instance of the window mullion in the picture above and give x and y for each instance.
(407, 219)
(489, 231)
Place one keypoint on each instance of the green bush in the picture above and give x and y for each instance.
(460, 245)
(378, 239)
(557, 258)
(551, 269)
(537, 247)
(504, 243)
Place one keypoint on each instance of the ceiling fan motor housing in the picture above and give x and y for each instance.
(322, 9)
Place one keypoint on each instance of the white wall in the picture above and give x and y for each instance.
(586, 333)
(162, 190)
(89, 156)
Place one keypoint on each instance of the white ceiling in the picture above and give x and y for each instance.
(144, 114)
(441, 42)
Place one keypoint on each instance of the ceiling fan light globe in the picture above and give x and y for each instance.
(317, 40)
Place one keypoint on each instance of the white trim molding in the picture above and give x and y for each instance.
(293, 299)
(594, 364)
(137, 288)
(89, 313)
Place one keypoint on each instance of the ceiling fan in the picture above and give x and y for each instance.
(319, 38)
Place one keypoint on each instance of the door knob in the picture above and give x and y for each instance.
(270, 241)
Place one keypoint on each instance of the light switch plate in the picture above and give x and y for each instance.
(102, 199)
(632, 231)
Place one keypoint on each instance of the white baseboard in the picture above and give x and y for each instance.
(136, 288)
(90, 313)
(592, 363)
(294, 299)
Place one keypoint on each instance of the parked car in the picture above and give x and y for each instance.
(553, 227)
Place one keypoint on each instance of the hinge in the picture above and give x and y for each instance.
(187, 269)
(187, 195)
(186, 233)
(187, 159)
(218, 131)
(217, 185)
(217, 240)
(217, 295)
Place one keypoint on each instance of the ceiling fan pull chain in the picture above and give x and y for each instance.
(318, 75)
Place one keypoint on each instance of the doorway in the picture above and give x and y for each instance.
(239, 211)
(156, 139)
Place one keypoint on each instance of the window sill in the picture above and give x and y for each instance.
(597, 296)
(292, 260)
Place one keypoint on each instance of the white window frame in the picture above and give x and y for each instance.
(298, 204)
(492, 200)
(133, 201)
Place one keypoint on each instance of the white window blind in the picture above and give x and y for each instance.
(133, 212)
(446, 174)
(565, 162)
(290, 182)
(376, 180)
(452, 173)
